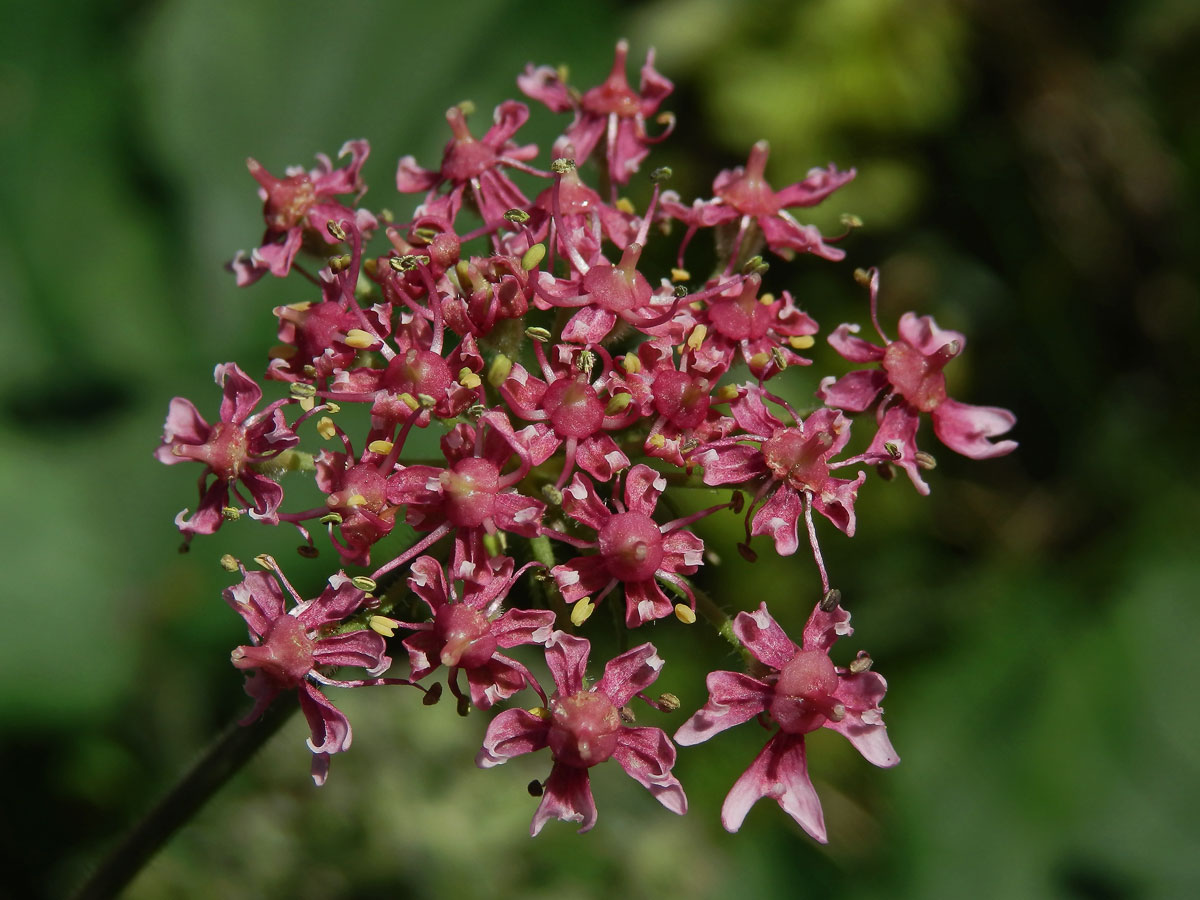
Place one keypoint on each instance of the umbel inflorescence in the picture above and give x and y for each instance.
(570, 387)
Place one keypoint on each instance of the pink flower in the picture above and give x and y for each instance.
(289, 648)
(474, 164)
(229, 450)
(910, 371)
(802, 691)
(583, 728)
(743, 195)
(632, 549)
(298, 206)
(469, 629)
(612, 110)
(793, 465)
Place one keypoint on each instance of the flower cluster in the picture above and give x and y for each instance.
(569, 385)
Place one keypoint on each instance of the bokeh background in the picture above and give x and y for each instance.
(1028, 174)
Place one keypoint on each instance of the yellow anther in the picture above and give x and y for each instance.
(332, 408)
(302, 306)
(282, 351)
(300, 389)
(618, 403)
(469, 379)
(657, 441)
(363, 583)
(850, 220)
(307, 404)
(625, 205)
(331, 519)
(383, 625)
(541, 712)
(359, 339)
(630, 363)
(685, 613)
(355, 500)
(533, 257)
(265, 561)
(863, 277)
(582, 611)
(696, 338)
(410, 401)
(539, 334)
(767, 299)
(801, 341)
(228, 563)
(759, 360)
(326, 428)
(499, 370)
(381, 447)
(727, 392)
(230, 513)
(681, 275)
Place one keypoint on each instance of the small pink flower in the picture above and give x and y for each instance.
(910, 376)
(473, 164)
(583, 728)
(229, 450)
(632, 549)
(743, 195)
(289, 648)
(612, 110)
(802, 691)
(469, 629)
(297, 207)
(791, 464)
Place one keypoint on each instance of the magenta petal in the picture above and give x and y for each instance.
(582, 503)
(566, 657)
(512, 733)
(855, 349)
(241, 392)
(589, 326)
(733, 698)
(600, 457)
(965, 428)
(868, 738)
(643, 487)
(923, 333)
(583, 576)
(568, 797)
(267, 495)
(818, 185)
(629, 673)
(424, 653)
(411, 178)
(645, 601)
(519, 514)
(854, 391)
(185, 425)
(523, 626)
(731, 463)
(779, 517)
(330, 728)
(258, 599)
(497, 680)
(647, 755)
(781, 773)
(363, 648)
(764, 637)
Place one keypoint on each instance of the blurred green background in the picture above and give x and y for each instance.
(1028, 174)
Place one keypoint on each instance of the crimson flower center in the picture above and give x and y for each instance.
(470, 487)
(917, 376)
(583, 728)
(467, 634)
(574, 408)
(797, 458)
(632, 546)
(225, 451)
(418, 372)
(681, 398)
(804, 693)
(285, 655)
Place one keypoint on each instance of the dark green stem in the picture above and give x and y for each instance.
(231, 751)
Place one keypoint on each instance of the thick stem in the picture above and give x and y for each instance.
(231, 751)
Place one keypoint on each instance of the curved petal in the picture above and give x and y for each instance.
(647, 755)
(241, 392)
(781, 773)
(966, 429)
(568, 797)
(631, 672)
(779, 517)
(733, 698)
(567, 657)
(764, 637)
(512, 733)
